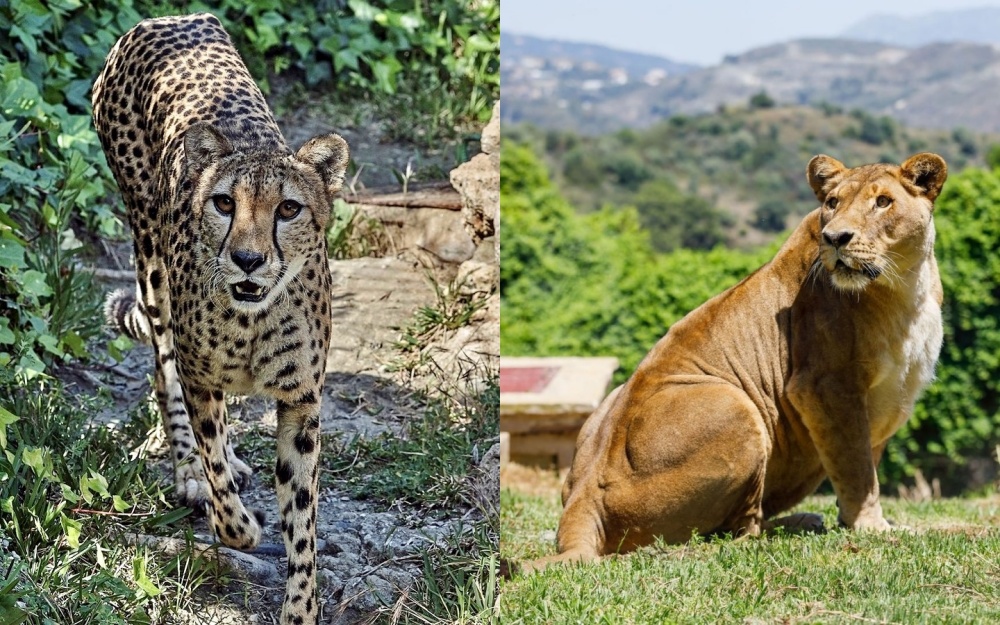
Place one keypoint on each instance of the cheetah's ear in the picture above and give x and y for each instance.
(204, 145)
(329, 155)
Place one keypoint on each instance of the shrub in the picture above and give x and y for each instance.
(761, 100)
(959, 415)
(771, 215)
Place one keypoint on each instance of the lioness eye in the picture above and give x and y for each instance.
(831, 202)
(224, 203)
(289, 209)
(882, 201)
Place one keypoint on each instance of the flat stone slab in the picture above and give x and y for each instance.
(553, 386)
(372, 299)
(543, 404)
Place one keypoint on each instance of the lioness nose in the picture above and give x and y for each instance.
(838, 239)
(247, 260)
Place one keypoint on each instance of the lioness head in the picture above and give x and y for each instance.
(262, 214)
(875, 219)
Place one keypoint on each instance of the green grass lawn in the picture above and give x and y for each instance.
(946, 570)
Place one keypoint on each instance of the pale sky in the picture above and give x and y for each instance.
(701, 31)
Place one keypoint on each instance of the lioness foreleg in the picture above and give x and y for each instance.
(837, 421)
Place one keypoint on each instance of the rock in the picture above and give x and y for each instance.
(478, 181)
(435, 236)
(490, 141)
(483, 490)
(379, 589)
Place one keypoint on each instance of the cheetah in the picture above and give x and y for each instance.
(233, 285)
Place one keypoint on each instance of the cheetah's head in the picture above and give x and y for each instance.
(262, 215)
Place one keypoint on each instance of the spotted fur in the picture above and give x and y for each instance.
(231, 265)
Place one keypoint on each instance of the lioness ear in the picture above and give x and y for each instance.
(203, 144)
(926, 171)
(329, 155)
(824, 173)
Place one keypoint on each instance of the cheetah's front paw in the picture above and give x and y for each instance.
(241, 472)
(192, 487)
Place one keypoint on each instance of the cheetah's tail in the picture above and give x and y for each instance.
(122, 313)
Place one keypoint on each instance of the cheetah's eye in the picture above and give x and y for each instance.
(289, 209)
(224, 203)
(831, 202)
(882, 201)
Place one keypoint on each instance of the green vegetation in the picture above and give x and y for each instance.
(591, 284)
(943, 572)
(69, 492)
(734, 176)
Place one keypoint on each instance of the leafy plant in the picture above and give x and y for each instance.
(65, 491)
(440, 53)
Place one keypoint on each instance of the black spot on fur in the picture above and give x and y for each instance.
(304, 443)
(303, 499)
(208, 429)
(283, 471)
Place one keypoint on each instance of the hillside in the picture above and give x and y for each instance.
(557, 83)
(980, 25)
(735, 177)
(940, 85)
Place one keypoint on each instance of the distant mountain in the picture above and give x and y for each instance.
(547, 82)
(979, 25)
(636, 64)
(941, 85)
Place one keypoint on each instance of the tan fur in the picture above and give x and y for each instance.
(801, 371)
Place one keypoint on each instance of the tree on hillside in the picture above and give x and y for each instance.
(676, 220)
(761, 100)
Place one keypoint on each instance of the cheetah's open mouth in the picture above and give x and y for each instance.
(248, 291)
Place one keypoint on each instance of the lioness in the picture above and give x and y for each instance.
(803, 370)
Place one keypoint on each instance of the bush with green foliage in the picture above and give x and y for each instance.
(591, 285)
(772, 215)
(675, 220)
(959, 415)
(445, 52)
(68, 492)
(761, 100)
(54, 176)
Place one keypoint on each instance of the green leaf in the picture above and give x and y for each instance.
(68, 494)
(345, 59)
(120, 504)
(98, 483)
(141, 578)
(6, 418)
(121, 344)
(6, 334)
(33, 283)
(75, 343)
(34, 457)
(71, 527)
(11, 254)
(362, 10)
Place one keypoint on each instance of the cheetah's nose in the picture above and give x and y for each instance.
(247, 260)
